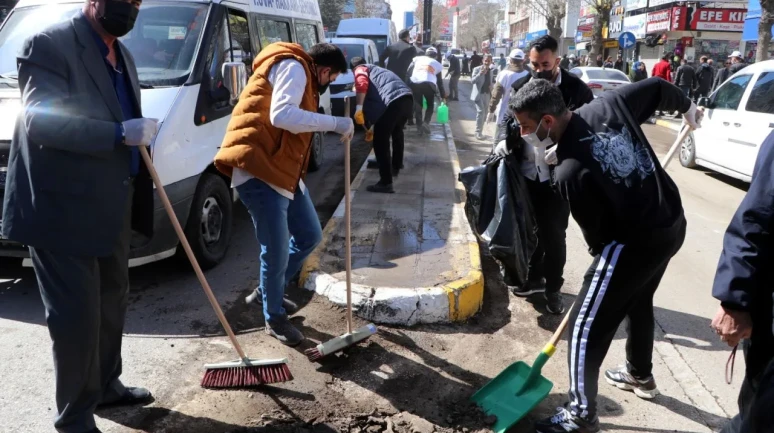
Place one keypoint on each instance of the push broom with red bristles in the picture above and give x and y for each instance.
(352, 337)
(244, 372)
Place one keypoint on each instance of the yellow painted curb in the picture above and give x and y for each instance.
(668, 124)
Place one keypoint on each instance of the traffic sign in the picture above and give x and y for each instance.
(627, 40)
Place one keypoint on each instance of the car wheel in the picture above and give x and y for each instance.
(210, 220)
(688, 152)
(316, 156)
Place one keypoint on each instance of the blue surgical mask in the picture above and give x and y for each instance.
(533, 139)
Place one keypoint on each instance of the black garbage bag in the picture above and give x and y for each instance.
(500, 213)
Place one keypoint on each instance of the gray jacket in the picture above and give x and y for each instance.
(68, 180)
(477, 79)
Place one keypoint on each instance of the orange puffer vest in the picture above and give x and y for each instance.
(252, 143)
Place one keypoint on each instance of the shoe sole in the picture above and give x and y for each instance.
(270, 334)
(641, 393)
(557, 312)
(528, 292)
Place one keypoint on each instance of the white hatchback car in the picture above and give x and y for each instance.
(738, 116)
(600, 79)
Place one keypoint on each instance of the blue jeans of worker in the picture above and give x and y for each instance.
(287, 231)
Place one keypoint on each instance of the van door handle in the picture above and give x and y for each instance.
(726, 124)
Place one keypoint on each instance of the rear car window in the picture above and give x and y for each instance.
(606, 74)
(351, 50)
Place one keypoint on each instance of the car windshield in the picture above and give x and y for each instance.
(351, 50)
(380, 41)
(606, 74)
(163, 41)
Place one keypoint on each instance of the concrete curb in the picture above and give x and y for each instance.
(452, 302)
(667, 124)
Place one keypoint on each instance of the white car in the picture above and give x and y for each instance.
(738, 116)
(343, 85)
(600, 80)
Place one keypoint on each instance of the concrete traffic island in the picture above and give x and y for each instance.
(414, 256)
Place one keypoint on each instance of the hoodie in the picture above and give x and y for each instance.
(704, 78)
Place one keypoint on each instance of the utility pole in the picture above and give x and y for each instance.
(427, 22)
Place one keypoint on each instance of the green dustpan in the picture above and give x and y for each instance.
(514, 392)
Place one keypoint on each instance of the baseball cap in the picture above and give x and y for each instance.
(430, 51)
(735, 54)
(516, 54)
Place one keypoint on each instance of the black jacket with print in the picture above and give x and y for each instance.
(608, 171)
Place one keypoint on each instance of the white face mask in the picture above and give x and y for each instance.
(533, 140)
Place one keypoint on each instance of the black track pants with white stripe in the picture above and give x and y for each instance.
(619, 284)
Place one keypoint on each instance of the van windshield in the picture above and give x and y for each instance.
(163, 41)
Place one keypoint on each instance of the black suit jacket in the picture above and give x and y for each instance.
(68, 180)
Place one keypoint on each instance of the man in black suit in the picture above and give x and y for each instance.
(399, 55)
(76, 188)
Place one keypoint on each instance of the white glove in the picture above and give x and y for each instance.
(345, 127)
(140, 132)
(502, 149)
(693, 116)
(550, 157)
(491, 118)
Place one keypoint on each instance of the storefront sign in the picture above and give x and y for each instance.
(631, 5)
(658, 21)
(723, 20)
(679, 17)
(636, 25)
(534, 35)
(610, 44)
(687, 41)
(615, 27)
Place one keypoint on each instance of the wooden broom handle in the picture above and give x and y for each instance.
(181, 235)
(347, 223)
(560, 330)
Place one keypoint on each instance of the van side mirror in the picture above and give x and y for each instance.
(234, 79)
(704, 102)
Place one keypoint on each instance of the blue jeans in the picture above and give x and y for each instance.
(287, 230)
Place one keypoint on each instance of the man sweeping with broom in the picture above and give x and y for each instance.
(266, 153)
(631, 216)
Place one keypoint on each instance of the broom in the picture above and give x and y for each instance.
(243, 372)
(351, 337)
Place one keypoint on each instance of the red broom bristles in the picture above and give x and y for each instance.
(247, 376)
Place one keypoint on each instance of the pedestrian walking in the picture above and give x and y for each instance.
(465, 65)
(481, 78)
(574, 63)
(737, 63)
(453, 74)
(600, 62)
(476, 60)
(638, 72)
(76, 188)
(498, 104)
(385, 101)
(704, 77)
(501, 62)
(426, 78)
(685, 78)
(546, 266)
(619, 63)
(266, 153)
(722, 75)
(399, 55)
(631, 216)
(744, 285)
(663, 70)
(565, 62)
(608, 62)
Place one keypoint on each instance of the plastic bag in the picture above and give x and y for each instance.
(500, 213)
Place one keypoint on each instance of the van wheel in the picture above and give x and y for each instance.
(210, 221)
(316, 156)
(688, 152)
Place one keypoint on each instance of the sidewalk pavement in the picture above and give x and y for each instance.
(414, 257)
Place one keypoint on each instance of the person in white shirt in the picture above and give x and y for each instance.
(425, 78)
(501, 93)
(266, 153)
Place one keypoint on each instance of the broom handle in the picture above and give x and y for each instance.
(560, 330)
(686, 129)
(348, 239)
(181, 235)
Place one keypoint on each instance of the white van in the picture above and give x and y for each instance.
(180, 48)
(342, 87)
(738, 116)
(379, 30)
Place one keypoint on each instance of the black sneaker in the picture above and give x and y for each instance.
(285, 332)
(532, 287)
(622, 379)
(381, 187)
(395, 172)
(426, 127)
(420, 130)
(257, 298)
(565, 422)
(554, 303)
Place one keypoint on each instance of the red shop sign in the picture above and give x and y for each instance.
(679, 16)
(658, 21)
(728, 20)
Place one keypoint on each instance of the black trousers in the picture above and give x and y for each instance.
(756, 397)
(552, 214)
(619, 284)
(85, 300)
(427, 91)
(390, 125)
(454, 87)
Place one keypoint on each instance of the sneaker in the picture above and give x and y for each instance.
(622, 379)
(381, 187)
(420, 130)
(395, 172)
(565, 422)
(426, 128)
(284, 331)
(479, 136)
(532, 287)
(554, 303)
(257, 298)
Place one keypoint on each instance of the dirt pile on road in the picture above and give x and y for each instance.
(467, 419)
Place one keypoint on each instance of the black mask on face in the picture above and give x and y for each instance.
(546, 75)
(119, 17)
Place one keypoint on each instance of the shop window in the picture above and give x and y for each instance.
(762, 95)
(729, 95)
(306, 35)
